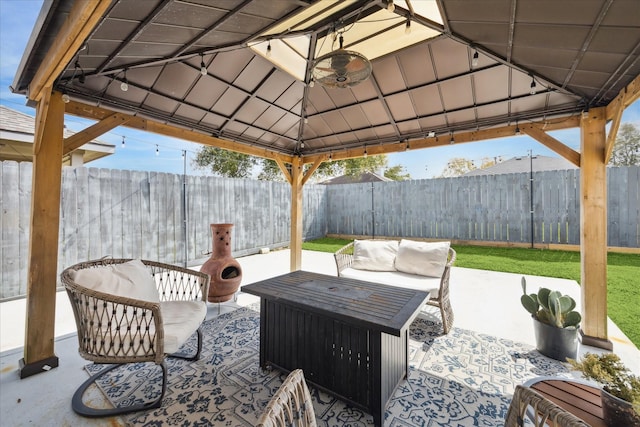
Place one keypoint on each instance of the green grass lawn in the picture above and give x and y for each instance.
(623, 273)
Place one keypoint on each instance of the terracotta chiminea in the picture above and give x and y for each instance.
(224, 270)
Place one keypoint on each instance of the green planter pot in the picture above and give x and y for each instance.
(617, 412)
(556, 343)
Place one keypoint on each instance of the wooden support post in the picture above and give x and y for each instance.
(593, 227)
(296, 214)
(43, 238)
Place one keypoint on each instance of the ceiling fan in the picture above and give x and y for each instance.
(341, 68)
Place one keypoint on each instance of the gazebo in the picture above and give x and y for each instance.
(303, 82)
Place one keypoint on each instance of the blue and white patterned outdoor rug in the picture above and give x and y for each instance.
(460, 379)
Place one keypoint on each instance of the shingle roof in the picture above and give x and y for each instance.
(525, 164)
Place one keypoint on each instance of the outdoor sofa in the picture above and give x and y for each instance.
(406, 263)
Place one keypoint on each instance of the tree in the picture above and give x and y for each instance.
(457, 166)
(236, 165)
(225, 163)
(397, 173)
(626, 149)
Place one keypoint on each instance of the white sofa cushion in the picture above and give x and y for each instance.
(396, 278)
(130, 279)
(374, 255)
(422, 258)
(180, 319)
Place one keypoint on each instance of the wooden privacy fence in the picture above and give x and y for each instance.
(485, 207)
(133, 214)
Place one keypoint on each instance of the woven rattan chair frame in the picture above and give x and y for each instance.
(131, 330)
(344, 259)
(291, 405)
(528, 403)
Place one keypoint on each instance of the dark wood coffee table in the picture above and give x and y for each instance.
(351, 338)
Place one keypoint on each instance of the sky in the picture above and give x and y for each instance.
(147, 151)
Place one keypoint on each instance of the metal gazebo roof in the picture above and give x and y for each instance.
(537, 61)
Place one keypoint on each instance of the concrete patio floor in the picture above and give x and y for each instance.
(483, 301)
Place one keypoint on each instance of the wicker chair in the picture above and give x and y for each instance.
(544, 413)
(291, 405)
(121, 327)
(344, 259)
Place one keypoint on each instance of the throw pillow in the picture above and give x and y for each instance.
(422, 258)
(130, 279)
(374, 255)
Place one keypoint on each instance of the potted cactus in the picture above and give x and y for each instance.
(555, 322)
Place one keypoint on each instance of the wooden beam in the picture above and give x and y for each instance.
(77, 140)
(627, 96)
(42, 113)
(82, 19)
(283, 168)
(296, 215)
(42, 276)
(535, 132)
(311, 170)
(441, 140)
(613, 131)
(134, 122)
(593, 229)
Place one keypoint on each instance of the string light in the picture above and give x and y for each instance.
(65, 97)
(452, 141)
(122, 141)
(365, 152)
(157, 150)
(312, 83)
(390, 6)
(301, 144)
(517, 129)
(533, 86)
(269, 49)
(474, 60)
(203, 68)
(407, 27)
(124, 86)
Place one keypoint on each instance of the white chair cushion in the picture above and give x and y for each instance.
(180, 320)
(396, 278)
(374, 255)
(422, 258)
(130, 279)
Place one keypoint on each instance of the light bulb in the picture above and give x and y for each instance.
(65, 98)
(157, 150)
(407, 27)
(533, 87)
(124, 86)
(203, 69)
(123, 142)
(365, 153)
(301, 144)
(452, 141)
(269, 50)
(306, 120)
(390, 6)
(474, 60)
(312, 83)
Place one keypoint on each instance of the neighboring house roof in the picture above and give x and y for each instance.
(16, 140)
(363, 177)
(525, 164)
